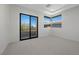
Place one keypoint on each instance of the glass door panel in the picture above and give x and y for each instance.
(25, 20)
(33, 26)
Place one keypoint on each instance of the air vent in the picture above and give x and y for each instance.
(48, 5)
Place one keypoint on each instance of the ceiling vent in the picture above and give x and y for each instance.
(48, 5)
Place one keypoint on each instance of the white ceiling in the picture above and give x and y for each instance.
(48, 8)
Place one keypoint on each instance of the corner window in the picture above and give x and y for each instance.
(56, 21)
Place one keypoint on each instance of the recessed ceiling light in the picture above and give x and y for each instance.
(48, 5)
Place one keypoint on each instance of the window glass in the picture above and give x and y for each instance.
(47, 21)
(57, 21)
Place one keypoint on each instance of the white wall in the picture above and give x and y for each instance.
(9, 24)
(4, 26)
(70, 29)
(15, 11)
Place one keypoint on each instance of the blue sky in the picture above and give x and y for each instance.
(33, 21)
(25, 19)
(57, 19)
(53, 19)
(47, 20)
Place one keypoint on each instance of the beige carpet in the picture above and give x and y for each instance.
(49, 45)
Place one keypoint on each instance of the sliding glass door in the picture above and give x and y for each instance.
(28, 26)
